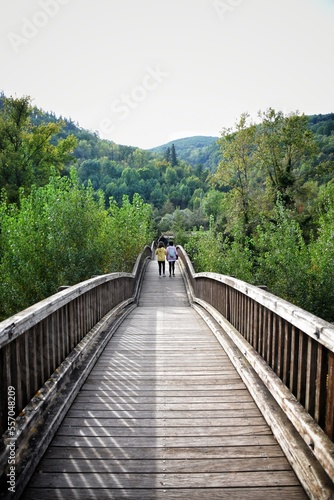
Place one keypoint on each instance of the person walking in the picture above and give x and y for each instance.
(161, 254)
(171, 258)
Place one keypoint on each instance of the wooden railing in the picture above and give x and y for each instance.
(35, 342)
(296, 345)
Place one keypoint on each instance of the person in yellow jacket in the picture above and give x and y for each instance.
(161, 254)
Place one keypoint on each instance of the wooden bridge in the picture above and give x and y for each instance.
(198, 386)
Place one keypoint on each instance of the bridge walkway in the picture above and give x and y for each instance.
(163, 415)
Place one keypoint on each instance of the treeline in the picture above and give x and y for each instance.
(274, 224)
(262, 213)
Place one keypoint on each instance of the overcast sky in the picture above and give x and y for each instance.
(145, 72)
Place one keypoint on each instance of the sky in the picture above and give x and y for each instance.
(146, 72)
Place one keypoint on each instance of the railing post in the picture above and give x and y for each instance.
(329, 428)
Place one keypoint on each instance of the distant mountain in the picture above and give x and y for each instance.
(197, 150)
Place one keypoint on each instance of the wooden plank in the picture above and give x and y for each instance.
(255, 493)
(210, 391)
(161, 414)
(129, 406)
(170, 422)
(235, 384)
(165, 453)
(136, 399)
(158, 442)
(144, 480)
(165, 431)
(175, 466)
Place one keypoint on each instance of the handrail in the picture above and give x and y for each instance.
(296, 345)
(34, 342)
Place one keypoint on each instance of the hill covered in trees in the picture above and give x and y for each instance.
(197, 150)
(257, 203)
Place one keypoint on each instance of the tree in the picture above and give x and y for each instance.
(285, 150)
(282, 257)
(28, 153)
(238, 162)
(131, 229)
(173, 157)
(321, 300)
(167, 155)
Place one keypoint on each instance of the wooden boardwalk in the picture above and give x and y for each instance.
(164, 414)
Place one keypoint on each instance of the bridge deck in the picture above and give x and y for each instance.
(164, 414)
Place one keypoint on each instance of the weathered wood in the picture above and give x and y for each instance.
(313, 476)
(133, 413)
(172, 395)
(160, 493)
(194, 466)
(294, 337)
(164, 411)
(330, 390)
(166, 480)
(164, 453)
(315, 327)
(172, 422)
(52, 327)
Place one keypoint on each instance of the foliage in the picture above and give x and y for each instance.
(321, 300)
(204, 248)
(237, 167)
(131, 229)
(61, 235)
(282, 258)
(211, 252)
(284, 146)
(237, 258)
(277, 215)
(195, 151)
(27, 153)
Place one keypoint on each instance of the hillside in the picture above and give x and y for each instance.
(197, 150)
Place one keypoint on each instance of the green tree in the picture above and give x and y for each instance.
(57, 236)
(238, 163)
(321, 297)
(282, 259)
(204, 248)
(131, 228)
(173, 157)
(285, 148)
(167, 155)
(27, 152)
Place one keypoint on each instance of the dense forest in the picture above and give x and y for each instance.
(198, 150)
(258, 203)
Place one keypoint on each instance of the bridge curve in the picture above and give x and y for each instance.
(168, 410)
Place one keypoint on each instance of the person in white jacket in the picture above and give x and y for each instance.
(171, 256)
